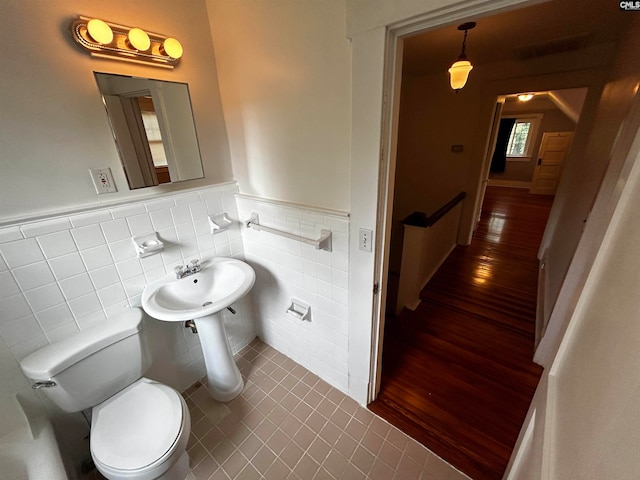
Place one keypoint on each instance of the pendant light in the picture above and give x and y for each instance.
(459, 71)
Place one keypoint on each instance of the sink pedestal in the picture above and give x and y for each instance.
(202, 296)
(225, 381)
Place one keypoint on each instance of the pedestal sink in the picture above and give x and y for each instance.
(201, 297)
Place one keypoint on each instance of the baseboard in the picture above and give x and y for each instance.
(494, 182)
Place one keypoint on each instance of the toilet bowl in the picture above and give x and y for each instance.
(139, 427)
(128, 440)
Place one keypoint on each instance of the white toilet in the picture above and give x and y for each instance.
(139, 427)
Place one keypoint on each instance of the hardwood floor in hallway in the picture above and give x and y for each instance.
(457, 373)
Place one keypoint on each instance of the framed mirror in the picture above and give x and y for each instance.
(154, 130)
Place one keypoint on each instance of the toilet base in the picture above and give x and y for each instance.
(179, 471)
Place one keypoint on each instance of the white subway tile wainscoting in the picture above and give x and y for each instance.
(287, 269)
(62, 275)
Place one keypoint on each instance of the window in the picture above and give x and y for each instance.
(522, 137)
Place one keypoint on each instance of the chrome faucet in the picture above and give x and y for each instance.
(186, 270)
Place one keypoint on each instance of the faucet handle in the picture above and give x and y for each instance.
(179, 270)
(195, 263)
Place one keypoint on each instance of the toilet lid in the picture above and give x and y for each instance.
(136, 427)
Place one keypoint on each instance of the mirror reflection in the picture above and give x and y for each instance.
(153, 127)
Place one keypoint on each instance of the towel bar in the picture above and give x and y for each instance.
(323, 243)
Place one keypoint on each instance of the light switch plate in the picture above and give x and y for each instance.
(365, 238)
(102, 180)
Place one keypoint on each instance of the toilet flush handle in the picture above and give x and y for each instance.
(43, 384)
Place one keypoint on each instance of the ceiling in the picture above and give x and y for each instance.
(548, 27)
(568, 101)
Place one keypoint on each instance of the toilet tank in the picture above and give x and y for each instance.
(92, 365)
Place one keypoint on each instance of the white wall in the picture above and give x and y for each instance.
(53, 125)
(284, 69)
(599, 356)
(583, 425)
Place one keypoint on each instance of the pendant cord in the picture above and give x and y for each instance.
(465, 27)
(464, 45)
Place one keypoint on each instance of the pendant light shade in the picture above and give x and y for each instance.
(459, 71)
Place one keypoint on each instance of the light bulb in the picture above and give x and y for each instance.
(172, 48)
(139, 39)
(99, 31)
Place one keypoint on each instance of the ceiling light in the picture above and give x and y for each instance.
(525, 97)
(459, 71)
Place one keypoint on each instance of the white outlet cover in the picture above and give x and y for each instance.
(102, 180)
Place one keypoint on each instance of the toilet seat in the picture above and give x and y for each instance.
(135, 432)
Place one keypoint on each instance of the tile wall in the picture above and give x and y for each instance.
(64, 274)
(287, 269)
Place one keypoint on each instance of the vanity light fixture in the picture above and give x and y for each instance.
(132, 44)
(525, 97)
(459, 71)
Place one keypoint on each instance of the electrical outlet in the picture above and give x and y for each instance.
(102, 180)
(365, 238)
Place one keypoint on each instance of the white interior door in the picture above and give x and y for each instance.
(553, 151)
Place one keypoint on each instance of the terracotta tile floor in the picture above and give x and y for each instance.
(289, 424)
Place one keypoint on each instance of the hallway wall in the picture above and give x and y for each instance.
(591, 339)
(586, 165)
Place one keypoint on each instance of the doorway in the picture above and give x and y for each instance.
(531, 154)
(459, 164)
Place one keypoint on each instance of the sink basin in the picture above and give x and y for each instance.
(221, 282)
(201, 297)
